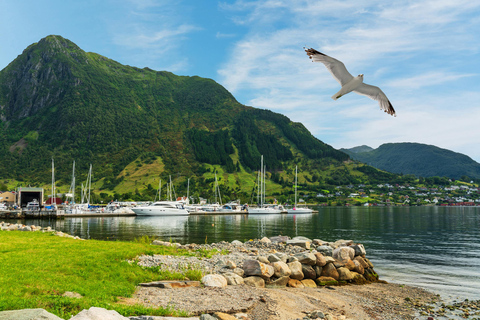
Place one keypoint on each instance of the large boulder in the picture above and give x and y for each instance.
(329, 270)
(300, 243)
(278, 283)
(320, 259)
(343, 254)
(350, 265)
(306, 258)
(257, 268)
(326, 281)
(255, 281)
(279, 239)
(233, 279)
(294, 283)
(214, 280)
(359, 250)
(358, 267)
(309, 283)
(318, 270)
(344, 274)
(281, 269)
(28, 314)
(326, 250)
(274, 258)
(308, 272)
(361, 261)
(296, 269)
(95, 313)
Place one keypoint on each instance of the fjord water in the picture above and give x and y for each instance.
(437, 248)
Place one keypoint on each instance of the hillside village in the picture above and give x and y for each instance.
(455, 194)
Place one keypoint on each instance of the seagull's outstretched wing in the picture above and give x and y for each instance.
(376, 94)
(336, 67)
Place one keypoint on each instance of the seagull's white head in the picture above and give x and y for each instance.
(360, 75)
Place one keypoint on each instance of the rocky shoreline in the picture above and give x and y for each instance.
(274, 278)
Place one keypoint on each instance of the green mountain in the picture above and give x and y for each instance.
(419, 159)
(138, 125)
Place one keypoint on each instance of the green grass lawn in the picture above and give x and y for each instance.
(37, 268)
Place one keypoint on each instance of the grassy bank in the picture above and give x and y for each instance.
(37, 268)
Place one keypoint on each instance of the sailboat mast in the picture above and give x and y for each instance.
(72, 187)
(262, 181)
(53, 182)
(295, 205)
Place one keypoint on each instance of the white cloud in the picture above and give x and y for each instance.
(421, 54)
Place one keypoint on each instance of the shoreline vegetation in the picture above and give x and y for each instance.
(65, 275)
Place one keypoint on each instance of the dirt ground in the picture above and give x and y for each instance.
(372, 301)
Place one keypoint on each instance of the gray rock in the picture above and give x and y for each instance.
(257, 268)
(292, 259)
(278, 283)
(28, 314)
(207, 317)
(362, 262)
(301, 243)
(306, 258)
(239, 271)
(281, 269)
(358, 267)
(95, 313)
(302, 239)
(255, 281)
(265, 240)
(327, 251)
(343, 254)
(279, 239)
(274, 258)
(359, 250)
(237, 243)
(318, 242)
(230, 264)
(296, 269)
(283, 256)
(233, 279)
(329, 270)
(214, 280)
(308, 272)
(341, 243)
(318, 271)
(263, 259)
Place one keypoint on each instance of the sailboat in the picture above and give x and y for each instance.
(296, 209)
(263, 208)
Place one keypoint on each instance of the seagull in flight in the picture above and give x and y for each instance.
(350, 83)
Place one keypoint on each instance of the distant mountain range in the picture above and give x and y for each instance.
(419, 159)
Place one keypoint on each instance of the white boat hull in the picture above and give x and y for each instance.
(146, 211)
(299, 210)
(263, 211)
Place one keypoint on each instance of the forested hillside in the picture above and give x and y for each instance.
(136, 126)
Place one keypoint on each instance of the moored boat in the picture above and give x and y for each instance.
(161, 208)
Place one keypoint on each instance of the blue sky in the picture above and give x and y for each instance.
(423, 54)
